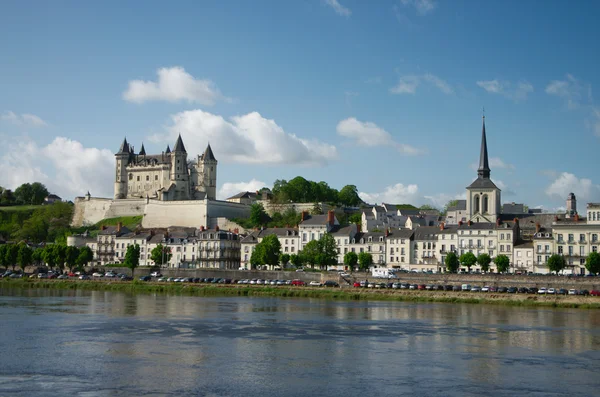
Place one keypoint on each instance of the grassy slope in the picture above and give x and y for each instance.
(15, 208)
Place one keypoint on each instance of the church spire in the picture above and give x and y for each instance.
(484, 168)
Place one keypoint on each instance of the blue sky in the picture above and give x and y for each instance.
(386, 95)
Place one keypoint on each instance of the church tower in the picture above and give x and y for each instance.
(122, 159)
(209, 172)
(483, 196)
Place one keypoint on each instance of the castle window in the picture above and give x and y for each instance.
(485, 204)
(138, 178)
(156, 177)
(211, 169)
(147, 178)
(130, 176)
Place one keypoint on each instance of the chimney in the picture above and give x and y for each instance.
(236, 230)
(217, 228)
(576, 217)
(442, 225)
(387, 232)
(152, 232)
(459, 223)
(331, 217)
(537, 227)
(303, 215)
(119, 226)
(201, 228)
(103, 227)
(498, 221)
(516, 220)
(469, 222)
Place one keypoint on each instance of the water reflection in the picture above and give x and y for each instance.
(230, 346)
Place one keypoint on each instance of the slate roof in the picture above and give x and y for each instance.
(338, 230)
(179, 147)
(315, 220)
(113, 230)
(482, 183)
(142, 150)
(208, 154)
(374, 237)
(524, 244)
(401, 233)
(250, 195)
(461, 205)
(512, 208)
(279, 232)
(124, 147)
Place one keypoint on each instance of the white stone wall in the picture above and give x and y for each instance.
(187, 213)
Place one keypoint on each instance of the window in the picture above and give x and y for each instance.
(582, 238)
(130, 176)
(292, 250)
(485, 204)
(138, 178)
(156, 177)
(560, 238)
(594, 238)
(519, 253)
(582, 251)
(571, 238)
(560, 250)
(501, 248)
(570, 250)
(539, 259)
(476, 203)
(501, 236)
(147, 178)
(303, 236)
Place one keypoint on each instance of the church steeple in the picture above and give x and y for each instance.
(484, 168)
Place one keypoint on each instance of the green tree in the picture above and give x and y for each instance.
(349, 196)
(86, 255)
(38, 256)
(7, 197)
(284, 259)
(365, 261)
(48, 256)
(449, 204)
(592, 263)
(311, 253)
(329, 253)
(3, 262)
(350, 260)
(38, 193)
(60, 255)
(316, 209)
(12, 252)
(269, 250)
(427, 207)
(355, 218)
(132, 257)
(160, 255)
(296, 260)
(24, 256)
(452, 263)
(556, 263)
(24, 194)
(502, 263)
(71, 255)
(468, 259)
(258, 216)
(484, 261)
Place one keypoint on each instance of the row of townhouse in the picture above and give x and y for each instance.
(388, 216)
(190, 248)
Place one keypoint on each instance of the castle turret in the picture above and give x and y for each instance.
(209, 167)
(122, 159)
(179, 171)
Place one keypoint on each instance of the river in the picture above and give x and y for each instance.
(96, 343)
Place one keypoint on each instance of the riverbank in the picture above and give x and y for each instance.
(558, 301)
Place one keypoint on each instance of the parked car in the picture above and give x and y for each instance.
(457, 288)
(330, 283)
(542, 291)
(573, 292)
(145, 278)
(413, 286)
(82, 277)
(429, 287)
(162, 279)
(475, 288)
(493, 289)
(42, 275)
(61, 277)
(562, 291)
(502, 290)
(512, 290)
(522, 290)
(125, 277)
(314, 284)
(485, 288)
(532, 290)
(298, 283)
(448, 287)
(584, 292)
(551, 291)
(97, 274)
(595, 292)
(466, 287)
(156, 274)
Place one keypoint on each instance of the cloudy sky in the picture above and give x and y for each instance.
(386, 95)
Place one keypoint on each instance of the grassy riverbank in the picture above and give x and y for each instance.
(581, 302)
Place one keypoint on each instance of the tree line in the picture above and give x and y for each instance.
(26, 194)
(46, 223)
(300, 190)
(53, 255)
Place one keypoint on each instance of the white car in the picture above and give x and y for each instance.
(97, 274)
(551, 291)
(344, 274)
(485, 289)
(42, 275)
(542, 291)
(110, 275)
(314, 284)
(259, 282)
(155, 274)
(572, 292)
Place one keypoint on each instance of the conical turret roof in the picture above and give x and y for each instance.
(179, 145)
(208, 154)
(124, 147)
(142, 150)
(168, 149)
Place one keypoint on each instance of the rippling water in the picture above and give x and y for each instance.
(86, 343)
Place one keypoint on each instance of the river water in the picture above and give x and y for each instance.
(90, 343)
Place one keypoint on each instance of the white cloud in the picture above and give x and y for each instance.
(174, 84)
(64, 166)
(229, 189)
(23, 120)
(506, 191)
(408, 84)
(249, 139)
(338, 8)
(370, 134)
(398, 193)
(595, 123)
(422, 7)
(516, 92)
(571, 90)
(566, 183)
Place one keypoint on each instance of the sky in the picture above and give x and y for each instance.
(384, 95)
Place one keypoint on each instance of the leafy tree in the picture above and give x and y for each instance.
(427, 207)
(160, 254)
(38, 193)
(24, 194)
(48, 256)
(468, 259)
(258, 216)
(452, 263)
(449, 204)
(60, 255)
(7, 197)
(284, 259)
(355, 218)
(256, 257)
(24, 256)
(296, 260)
(502, 263)
(310, 253)
(12, 252)
(350, 260)
(592, 263)
(71, 255)
(365, 260)
(85, 256)
(406, 207)
(268, 251)
(349, 196)
(132, 257)
(38, 256)
(3, 262)
(328, 247)
(556, 263)
(316, 210)
(484, 261)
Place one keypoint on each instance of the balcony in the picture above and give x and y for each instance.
(582, 242)
(571, 241)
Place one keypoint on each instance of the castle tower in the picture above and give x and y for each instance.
(209, 167)
(122, 159)
(483, 196)
(571, 205)
(179, 171)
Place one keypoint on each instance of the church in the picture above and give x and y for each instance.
(167, 176)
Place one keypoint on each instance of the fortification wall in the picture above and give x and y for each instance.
(127, 207)
(225, 209)
(88, 212)
(271, 208)
(225, 224)
(189, 213)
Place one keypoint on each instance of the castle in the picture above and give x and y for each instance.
(167, 176)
